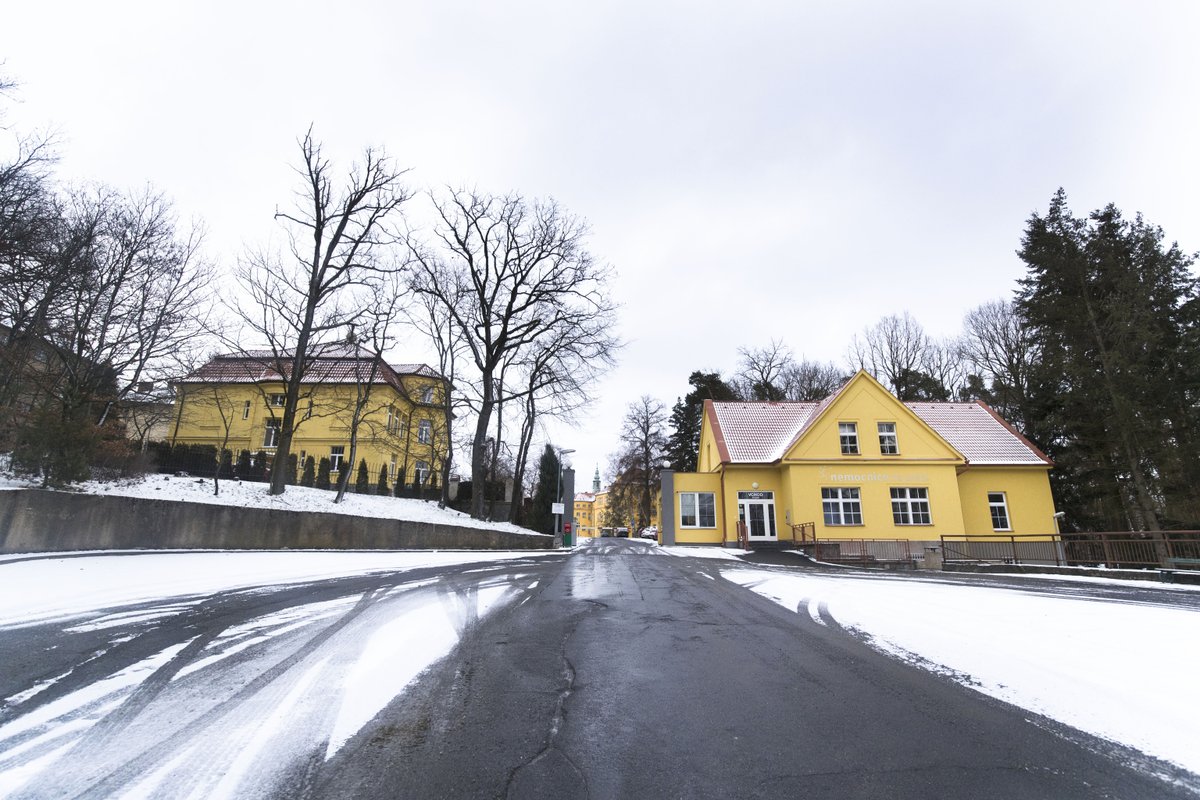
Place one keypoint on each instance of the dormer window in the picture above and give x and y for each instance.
(427, 394)
(888, 445)
(848, 435)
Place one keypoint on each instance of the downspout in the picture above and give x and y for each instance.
(724, 520)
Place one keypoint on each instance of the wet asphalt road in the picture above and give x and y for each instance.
(634, 675)
(615, 672)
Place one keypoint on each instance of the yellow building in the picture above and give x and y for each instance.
(860, 464)
(236, 402)
(585, 515)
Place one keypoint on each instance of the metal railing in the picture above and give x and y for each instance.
(1113, 550)
(864, 552)
(803, 532)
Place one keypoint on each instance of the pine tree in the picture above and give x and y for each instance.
(381, 487)
(323, 470)
(684, 441)
(292, 464)
(541, 519)
(1111, 310)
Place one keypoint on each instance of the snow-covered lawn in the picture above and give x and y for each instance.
(296, 498)
(60, 588)
(1119, 670)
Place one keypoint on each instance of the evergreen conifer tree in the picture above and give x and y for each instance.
(309, 478)
(540, 517)
(1112, 311)
(381, 487)
(684, 441)
(323, 470)
(362, 483)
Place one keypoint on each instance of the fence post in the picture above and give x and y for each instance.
(1012, 540)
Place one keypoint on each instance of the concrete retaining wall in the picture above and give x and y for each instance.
(35, 520)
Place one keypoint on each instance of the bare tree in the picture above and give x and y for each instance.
(507, 272)
(1000, 353)
(141, 299)
(810, 381)
(338, 236)
(944, 365)
(761, 370)
(556, 376)
(432, 319)
(643, 450)
(895, 350)
(366, 349)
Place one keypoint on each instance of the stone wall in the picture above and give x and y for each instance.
(35, 520)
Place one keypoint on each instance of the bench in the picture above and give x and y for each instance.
(1177, 565)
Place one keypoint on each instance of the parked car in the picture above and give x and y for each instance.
(650, 533)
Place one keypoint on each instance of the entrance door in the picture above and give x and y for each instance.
(757, 511)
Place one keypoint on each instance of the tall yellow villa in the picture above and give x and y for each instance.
(236, 402)
(860, 464)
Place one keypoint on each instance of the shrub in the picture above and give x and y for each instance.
(56, 446)
(362, 484)
(381, 487)
(243, 464)
(323, 474)
(309, 478)
(292, 462)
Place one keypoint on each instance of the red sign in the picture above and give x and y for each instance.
(566, 527)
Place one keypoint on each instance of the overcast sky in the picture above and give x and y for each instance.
(778, 170)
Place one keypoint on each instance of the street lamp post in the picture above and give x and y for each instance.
(558, 498)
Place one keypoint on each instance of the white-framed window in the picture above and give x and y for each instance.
(998, 506)
(246, 410)
(427, 394)
(308, 411)
(842, 506)
(848, 436)
(910, 506)
(424, 431)
(697, 510)
(271, 435)
(888, 444)
(421, 473)
(277, 400)
(393, 422)
(336, 453)
(392, 468)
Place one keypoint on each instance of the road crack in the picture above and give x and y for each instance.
(550, 749)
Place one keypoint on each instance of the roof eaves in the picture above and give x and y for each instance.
(711, 413)
(1020, 437)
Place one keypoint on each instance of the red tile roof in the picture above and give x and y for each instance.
(340, 363)
(758, 433)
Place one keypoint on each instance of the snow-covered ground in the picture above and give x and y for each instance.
(1119, 670)
(296, 498)
(45, 589)
(311, 675)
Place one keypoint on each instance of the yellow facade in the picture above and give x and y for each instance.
(402, 430)
(909, 484)
(585, 516)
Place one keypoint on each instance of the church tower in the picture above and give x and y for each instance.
(596, 481)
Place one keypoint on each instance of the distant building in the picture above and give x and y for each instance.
(238, 399)
(859, 464)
